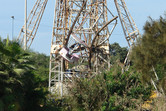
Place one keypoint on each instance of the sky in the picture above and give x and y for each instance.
(140, 10)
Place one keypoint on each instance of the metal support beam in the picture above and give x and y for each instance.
(30, 27)
(129, 27)
(25, 28)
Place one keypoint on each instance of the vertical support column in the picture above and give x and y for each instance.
(56, 67)
(25, 28)
(12, 27)
(62, 76)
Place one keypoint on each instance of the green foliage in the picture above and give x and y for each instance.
(117, 53)
(150, 51)
(87, 94)
(125, 91)
(111, 91)
(21, 89)
(31, 94)
(41, 64)
(10, 54)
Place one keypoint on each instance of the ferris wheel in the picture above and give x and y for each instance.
(80, 37)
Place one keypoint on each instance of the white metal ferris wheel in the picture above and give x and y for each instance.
(80, 37)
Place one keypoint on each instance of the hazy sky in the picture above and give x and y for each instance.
(139, 10)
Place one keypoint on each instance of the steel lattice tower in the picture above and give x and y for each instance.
(87, 20)
(82, 28)
(33, 22)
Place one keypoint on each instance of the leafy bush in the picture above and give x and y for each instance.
(111, 91)
(125, 91)
(87, 94)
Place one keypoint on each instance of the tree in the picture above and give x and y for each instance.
(117, 53)
(12, 65)
(149, 52)
(41, 64)
(20, 88)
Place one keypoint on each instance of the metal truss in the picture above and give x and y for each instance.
(130, 29)
(87, 20)
(33, 22)
(87, 24)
